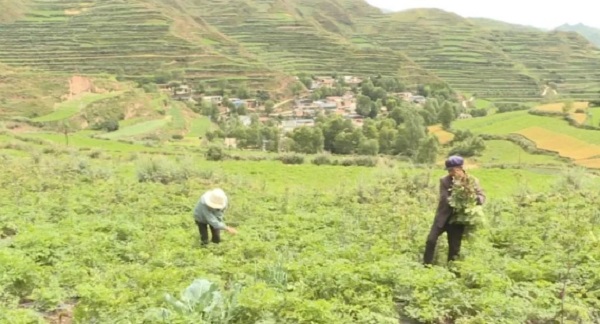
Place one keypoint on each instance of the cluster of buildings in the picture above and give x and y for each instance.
(304, 110)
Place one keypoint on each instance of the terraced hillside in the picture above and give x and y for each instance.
(263, 42)
(590, 33)
(572, 63)
(126, 38)
(455, 50)
(309, 36)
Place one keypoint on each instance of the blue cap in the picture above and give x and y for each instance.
(454, 161)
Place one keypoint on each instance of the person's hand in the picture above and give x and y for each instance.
(231, 230)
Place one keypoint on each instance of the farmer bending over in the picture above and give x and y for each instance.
(209, 213)
(444, 213)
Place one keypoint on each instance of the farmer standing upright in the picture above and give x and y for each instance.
(441, 223)
(209, 212)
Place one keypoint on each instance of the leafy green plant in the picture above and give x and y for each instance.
(202, 301)
(463, 200)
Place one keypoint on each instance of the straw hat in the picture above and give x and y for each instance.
(216, 199)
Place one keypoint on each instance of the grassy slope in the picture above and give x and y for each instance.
(70, 108)
(590, 33)
(506, 123)
(29, 93)
(549, 133)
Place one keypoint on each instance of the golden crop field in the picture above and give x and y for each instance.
(589, 163)
(558, 107)
(579, 117)
(442, 135)
(565, 145)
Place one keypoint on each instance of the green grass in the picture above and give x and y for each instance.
(177, 119)
(137, 129)
(200, 126)
(70, 108)
(508, 153)
(83, 141)
(511, 122)
(481, 103)
(594, 118)
(131, 121)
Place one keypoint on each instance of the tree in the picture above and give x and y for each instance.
(369, 129)
(446, 115)
(269, 106)
(397, 115)
(66, 128)
(332, 127)
(347, 142)
(387, 138)
(242, 92)
(368, 147)
(263, 95)
(363, 106)
(210, 109)
(409, 136)
(428, 149)
(567, 107)
(241, 109)
(296, 88)
(307, 140)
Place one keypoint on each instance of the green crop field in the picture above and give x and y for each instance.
(87, 230)
(71, 107)
(505, 152)
(84, 141)
(199, 126)
(96, 214)
(511, 122)
(137, 129)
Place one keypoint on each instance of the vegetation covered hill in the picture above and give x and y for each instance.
(259, 43)
(590, 33)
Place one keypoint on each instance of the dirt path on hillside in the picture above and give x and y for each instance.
(79, 84)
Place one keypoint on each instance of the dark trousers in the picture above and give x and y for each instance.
(203, 228)
(454, 233)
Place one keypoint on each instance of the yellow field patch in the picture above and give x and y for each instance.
(565, 145)
(558, 107)
(442, 135)
(589, 163)
(579, 118)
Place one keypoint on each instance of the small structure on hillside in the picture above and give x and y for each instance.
(182, 92)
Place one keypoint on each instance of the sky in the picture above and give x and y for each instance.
(541, 14)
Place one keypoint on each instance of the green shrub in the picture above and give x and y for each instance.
(366, 161)
(162, 170)
(215, 153)
(291, 159)
(321, 160)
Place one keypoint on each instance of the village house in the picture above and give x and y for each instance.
(326, 105)
(418, 99)
(251, 103)
(320, 82)
(352, 80)
(291, 124)
(236, 102)
(182, 92)
(230, 142)
(357, 120)
(404, 96)
(245, 120)
(217, 100)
